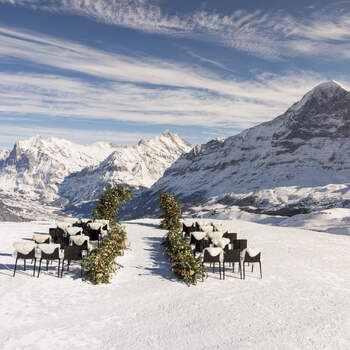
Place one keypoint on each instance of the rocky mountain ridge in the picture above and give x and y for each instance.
(40, 176)
(298, 160)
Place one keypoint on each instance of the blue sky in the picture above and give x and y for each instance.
(90, 70)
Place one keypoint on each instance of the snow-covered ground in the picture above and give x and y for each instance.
(302, 302)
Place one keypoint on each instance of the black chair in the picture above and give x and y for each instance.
(30, 255)
(251, 260)
(94, 235)
(207, 258)
(55, 255)
(201, 244)
(72, 253)
(232, 257)
(232, 236)
(239, 244)
(188, 229)
(53, 232)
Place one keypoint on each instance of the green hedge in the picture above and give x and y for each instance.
(101, 263)
(183, 262)
(171, 209)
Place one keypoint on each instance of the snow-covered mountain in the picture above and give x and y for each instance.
(41, 176)
(138, 166)
(35, 166)
(298, 160)
(4, 154)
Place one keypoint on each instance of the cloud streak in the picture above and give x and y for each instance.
(271, 35)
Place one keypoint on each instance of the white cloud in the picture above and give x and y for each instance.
(143, 89)
(10, 134)
(271, 35)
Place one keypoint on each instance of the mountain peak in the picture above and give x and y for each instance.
(322, 94)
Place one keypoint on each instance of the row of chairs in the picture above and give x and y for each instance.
(69, 241)
(68, 254)
(217, 245)
(242, 257)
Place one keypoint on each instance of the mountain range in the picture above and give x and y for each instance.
(294, 163)
(43, 177)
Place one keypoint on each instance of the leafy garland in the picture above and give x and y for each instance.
(100, 264)
(171, 212)
(183, 262)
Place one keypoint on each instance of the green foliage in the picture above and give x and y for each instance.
(101, 264)
(171, 212)
(110, 201)
(183, 262)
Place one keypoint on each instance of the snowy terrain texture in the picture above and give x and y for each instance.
(302, 302)
(299, 160)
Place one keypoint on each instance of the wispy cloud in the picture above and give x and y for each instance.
(11, 133)
(154, 91)
(271, 35)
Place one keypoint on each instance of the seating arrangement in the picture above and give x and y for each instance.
(213, 243)
(70, 241)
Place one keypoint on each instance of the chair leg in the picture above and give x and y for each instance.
(62, 268)
(220, 269)
(213, 267)
(81, 270)
(233, 267)
(252, 267)
(24, 264)
(243, 270)
(14, 270)
(240, 269)
(260, 269)
(34, 267)
(58, 269)
(47, 265)
(39, 267)
(223, 270)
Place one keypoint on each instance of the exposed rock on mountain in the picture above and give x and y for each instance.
(298, 160)
(52, 173)
(137, 166)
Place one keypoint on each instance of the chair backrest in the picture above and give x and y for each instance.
(240, 244)
(252, 258)
(232, 255)
(209, 258)
(73, 253)
(231, 235)
(54, 234)
(51, 256)
(24, 250)
(84, 246)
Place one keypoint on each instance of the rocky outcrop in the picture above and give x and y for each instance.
(301, 157)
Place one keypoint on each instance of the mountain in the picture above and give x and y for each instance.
(297, 161)
(138, 166)
(39, 177)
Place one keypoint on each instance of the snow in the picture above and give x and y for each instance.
(302, 302)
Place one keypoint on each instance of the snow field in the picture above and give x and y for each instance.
(302, 302)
